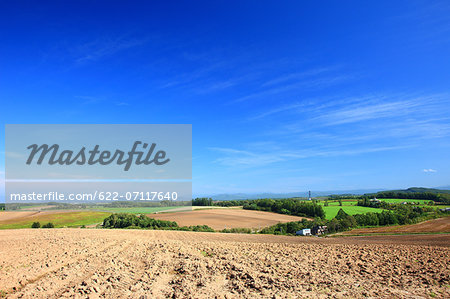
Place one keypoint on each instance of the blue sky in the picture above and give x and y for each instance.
(282, 97)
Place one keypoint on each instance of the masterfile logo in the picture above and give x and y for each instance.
(98, 163)
(98, 152)
(94, 156)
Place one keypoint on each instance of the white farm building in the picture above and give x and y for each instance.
(304, 232)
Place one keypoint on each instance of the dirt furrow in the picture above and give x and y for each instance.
(160, 264)
(74, 269)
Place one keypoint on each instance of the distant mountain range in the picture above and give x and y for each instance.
(421, 190)
(443, 187)
(235, 196)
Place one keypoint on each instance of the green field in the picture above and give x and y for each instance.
(89, 216)
(65, 219)
(440, 206)
(350, 207)
(400, 200)
(332, 210)
(95, 214)
(422, 203)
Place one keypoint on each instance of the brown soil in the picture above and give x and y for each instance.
(90, 263)
(14, 217)
(441, 225)
(226, 218)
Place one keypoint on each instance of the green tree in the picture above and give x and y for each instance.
(202, 201)
(341, 214)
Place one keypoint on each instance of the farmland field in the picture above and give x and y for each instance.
(136, 210)
(226, 218)
(400, 200)
(441, 225)
(332, 210)
(159, 264)
(103, 208)
(420, 201)
(349, 206)
(57, 217)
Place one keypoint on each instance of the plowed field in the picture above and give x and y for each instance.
(226, 218)
(441, 225)
(54, 263)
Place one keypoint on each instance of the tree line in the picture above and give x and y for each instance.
(127, 220)
(287, 206)
(206, 201)
(202, 201)
(38, 225)
(344, 221)
(439, 197)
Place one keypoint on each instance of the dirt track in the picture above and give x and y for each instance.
(13, 217)
(124, 263)
(226, 218)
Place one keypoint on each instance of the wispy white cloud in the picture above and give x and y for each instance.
(100, 48)
(311, 107)
(365, 118)
(429, 170)
(298, 75)
(234, 157)
(425, 129)
(244, 158)
(208, 85)
(377, 109)
(91, 100)
(302, 85)
(431, 22)
(212, 74)
(276, 110)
